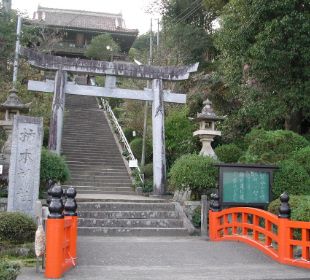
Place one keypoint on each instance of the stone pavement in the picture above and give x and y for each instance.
(169, 258)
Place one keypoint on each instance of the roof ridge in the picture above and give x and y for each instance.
(84, 12)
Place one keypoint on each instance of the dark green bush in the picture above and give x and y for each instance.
(136, 147)
(179, 135)
(196, 218)
(46, 136)
(148, 186)
(128, 134)
(9, 270)
(228, 153)
(272, 146)
(300, 207)
(292, 178)
(148, 171)
(53, 167)
(195, 172)
(302, 156)
(16, 228)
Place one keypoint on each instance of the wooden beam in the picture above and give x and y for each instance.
(96, 67)
(71, 88)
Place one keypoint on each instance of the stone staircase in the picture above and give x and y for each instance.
(131, 218)
(98, 171)
(95, 162)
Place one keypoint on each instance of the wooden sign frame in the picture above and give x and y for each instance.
(236, 167)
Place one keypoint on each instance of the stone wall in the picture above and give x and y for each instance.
(3, 204)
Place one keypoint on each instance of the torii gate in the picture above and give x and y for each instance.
(157, 95)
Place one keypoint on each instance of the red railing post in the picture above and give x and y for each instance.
(70, 212)
(55, 235)
(284, 234)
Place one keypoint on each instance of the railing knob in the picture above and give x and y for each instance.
(284, 209)
(215, 202)
(50, 184)
(70, 204)
(56, 206)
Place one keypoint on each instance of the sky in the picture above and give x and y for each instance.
(134, 11)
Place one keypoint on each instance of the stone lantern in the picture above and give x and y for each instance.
(11, 107)
(207, 128)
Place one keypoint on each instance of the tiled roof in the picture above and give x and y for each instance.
(82, 20)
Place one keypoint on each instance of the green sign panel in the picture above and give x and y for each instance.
(245, 184)
(246, 187)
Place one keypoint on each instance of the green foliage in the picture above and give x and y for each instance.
(264, 62)
(272, 146)
(194, 172)
(148, 171)
(9, 270)
(16, 228)
(128, 134)
(53, 167)
(102, 47)
(179, 134)
(291, 178)
(300, 207)
(136, 147)
(228, 153)
(302, 156)
(148, 186)
(196, 217)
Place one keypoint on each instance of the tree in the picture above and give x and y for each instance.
(102, 47)
(264, 62)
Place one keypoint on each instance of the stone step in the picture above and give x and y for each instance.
(132, 223)
(101, 188)
(121, 206)
(120, 231)
(128, 214)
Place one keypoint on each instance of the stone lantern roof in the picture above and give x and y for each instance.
(207, 113)
(14, 103)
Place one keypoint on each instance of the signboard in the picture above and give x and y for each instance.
(1, 169)
(245, 184)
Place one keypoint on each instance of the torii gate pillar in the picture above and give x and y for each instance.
(159, 153)
(58, 107)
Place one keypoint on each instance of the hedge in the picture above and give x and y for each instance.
(9, 270)
(53, 167)
(291, 178)
(16, 228)
(194, 172)
(272, 146)
(228, 153)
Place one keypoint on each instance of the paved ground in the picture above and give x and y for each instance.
(167, 258)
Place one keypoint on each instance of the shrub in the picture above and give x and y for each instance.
(53, 167)
(128, 134)
(9, 270)
(303, 158)
(148, 171)
(300, 207)
(195, 172)
(179, 135)
(196, 218)
(228, 153)
(136, 147)
(272, 146)
(292, 178)
(148, 186)
(16, 228)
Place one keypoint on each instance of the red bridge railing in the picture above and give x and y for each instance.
(285, 241)
(61, 233)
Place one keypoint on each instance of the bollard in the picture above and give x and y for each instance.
(55, 235)
(215, 202)
(70, 214)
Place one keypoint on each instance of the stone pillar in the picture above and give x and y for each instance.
(24, 173)
(58, 107)
(206, 149)
(159, 153)
(204, 215)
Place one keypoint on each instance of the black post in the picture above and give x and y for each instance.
(215, 202)
(70, 204)
(56, 206)
(50, 183)
(284, 209)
